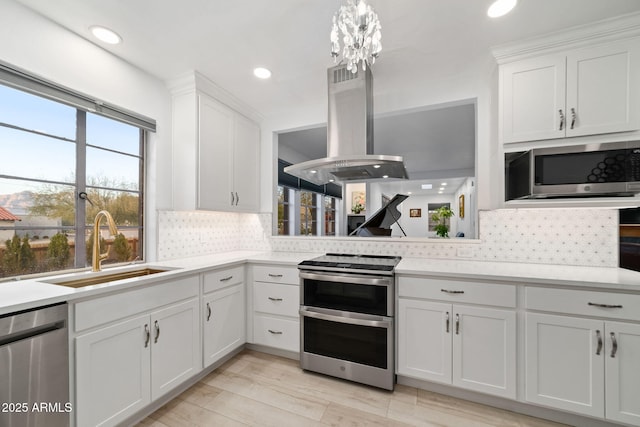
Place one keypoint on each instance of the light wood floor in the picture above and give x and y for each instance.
(258, 389)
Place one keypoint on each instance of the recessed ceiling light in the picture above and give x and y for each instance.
(443, 184)
(441, 189)
(313, 171)
(409, 192)
(376, 166)
(427, 186)
(501, 7)
(385, 176)
(261, 73)
(106, 35)
(331, 180)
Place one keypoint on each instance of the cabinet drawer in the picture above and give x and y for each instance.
(276, 274)
(278, 333)
(457, 291)
(588, 303)
(275, 298)
(219, 279)
(107, 309)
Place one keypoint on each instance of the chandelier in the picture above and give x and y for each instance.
(360, 29)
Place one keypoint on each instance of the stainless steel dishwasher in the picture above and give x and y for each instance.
(34, 368)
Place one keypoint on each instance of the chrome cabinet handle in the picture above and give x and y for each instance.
(277, 276)
(226, 279)
(208, 312)
(599, 337)
(457, 324)
(561, 119)
(593, 304)
(237, 198)
(157, 327)
(447, 323)
(573, 117)
(275, 299)
(275, 332)
(147, 335)
(614, 342)
(447, 291)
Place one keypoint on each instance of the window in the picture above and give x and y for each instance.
(308, 212)
(283, 211)
(329, 216)
(53, 155)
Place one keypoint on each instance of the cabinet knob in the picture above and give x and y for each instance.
(614, 344)
(147, 335)
(561, 119)
(157, 327)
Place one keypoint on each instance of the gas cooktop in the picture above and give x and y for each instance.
(352, 263)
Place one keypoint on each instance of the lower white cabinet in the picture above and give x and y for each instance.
(224, 322)
(584, 365)
(276, 301)
(123, 367)
(466, 346)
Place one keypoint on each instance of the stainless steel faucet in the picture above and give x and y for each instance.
(97, 257)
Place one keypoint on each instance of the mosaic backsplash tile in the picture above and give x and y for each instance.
(543, 236)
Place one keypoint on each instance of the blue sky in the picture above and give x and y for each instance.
(42, 157)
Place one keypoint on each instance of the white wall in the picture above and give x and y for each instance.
(45, 49)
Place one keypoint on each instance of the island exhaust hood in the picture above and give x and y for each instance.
(349, 135)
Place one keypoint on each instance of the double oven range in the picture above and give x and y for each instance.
(347, 317)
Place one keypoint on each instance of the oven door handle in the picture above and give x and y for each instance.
(306, 312)
(347, 278)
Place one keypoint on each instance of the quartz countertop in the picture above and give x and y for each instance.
(26, 294)
(541, 274)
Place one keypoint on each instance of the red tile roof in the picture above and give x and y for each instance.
(5, 215)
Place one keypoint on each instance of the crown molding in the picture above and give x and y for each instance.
(624, 26)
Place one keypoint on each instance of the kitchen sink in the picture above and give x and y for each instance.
(105, 277)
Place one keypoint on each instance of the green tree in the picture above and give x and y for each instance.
(18, 256)
(121, 248)
(58, 253)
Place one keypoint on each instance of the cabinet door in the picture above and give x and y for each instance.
(484, 350)
(215, 154)
(175, 350)
(424, 340)
(603, 89)
(112, 373)
(564, 368)
(224, 322)
(532, 99)
(622, 371)
(246, 164)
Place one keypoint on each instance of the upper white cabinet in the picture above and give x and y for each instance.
(228, 158)
(216, 148)
(586, 91)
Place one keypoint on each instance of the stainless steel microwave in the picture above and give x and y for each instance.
(611, 169)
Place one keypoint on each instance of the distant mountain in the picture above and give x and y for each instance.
(17, 203)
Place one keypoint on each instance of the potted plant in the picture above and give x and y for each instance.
(357, 208)
(440, 216)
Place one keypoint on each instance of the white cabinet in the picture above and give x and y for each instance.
(586, 91)
(276, 301)
(228, 158)
(583, 364)
(459, 344)
(124, 364)
(224, 313)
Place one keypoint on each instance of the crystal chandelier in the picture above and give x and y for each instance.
(360, 29)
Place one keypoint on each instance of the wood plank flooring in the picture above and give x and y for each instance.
(257, 389)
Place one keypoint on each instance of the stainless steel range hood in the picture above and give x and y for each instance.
(349, 135)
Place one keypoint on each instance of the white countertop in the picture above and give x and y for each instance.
(546, 274)
(26, 294)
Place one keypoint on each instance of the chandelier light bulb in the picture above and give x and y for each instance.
(501, 7)
(358, 28)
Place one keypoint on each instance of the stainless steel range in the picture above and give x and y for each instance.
(347, 317)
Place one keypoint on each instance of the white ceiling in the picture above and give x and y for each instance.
(422, 40)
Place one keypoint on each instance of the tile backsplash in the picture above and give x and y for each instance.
(543, 236)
